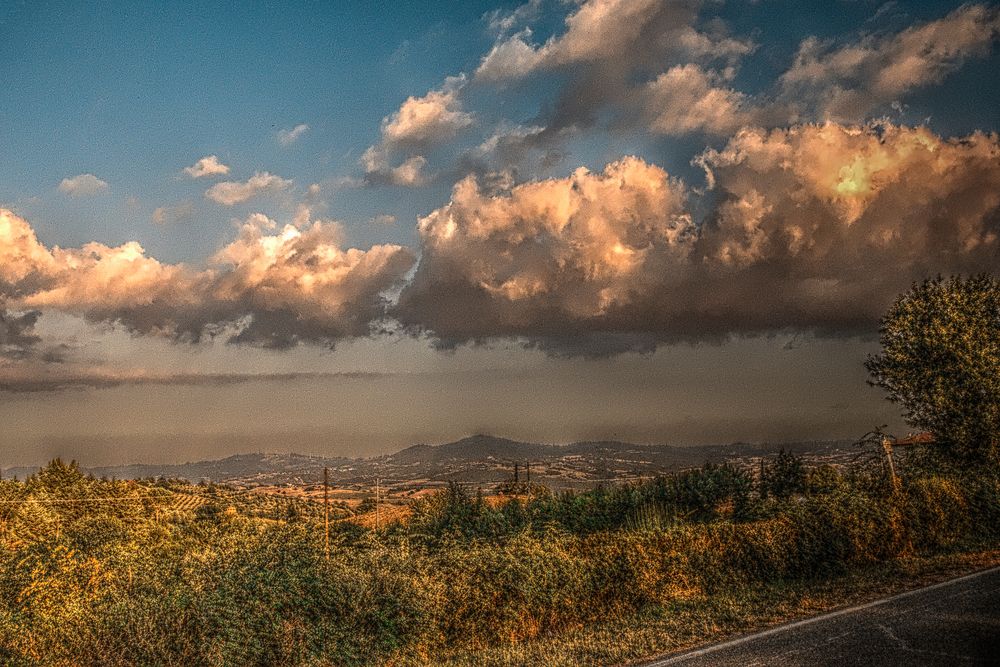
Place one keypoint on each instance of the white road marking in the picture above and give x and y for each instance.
(809, 621)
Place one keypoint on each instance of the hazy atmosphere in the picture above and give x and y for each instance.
(342, 229)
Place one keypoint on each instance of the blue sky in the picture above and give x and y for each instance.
(133, 93)
(799, 164)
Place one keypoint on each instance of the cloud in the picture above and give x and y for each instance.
(84, 185)
(619, 33)
(845, 83)
(35, 379)
(410, 173)
(664, 68)
(435, 117)
(811, 228)
(206, 166)
(420, 122)
(168, 215)
(230, 193)
(289, 137)
(273, 287)
(17, 337)
(686, 99)
(384, 219)
(624, 57)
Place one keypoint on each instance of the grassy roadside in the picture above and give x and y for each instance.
(685, 624)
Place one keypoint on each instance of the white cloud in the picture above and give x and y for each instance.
(613, 33)
(230, 193)
(167, 215)
(206, 166)
(435, 117)
(410, 173)
(420, 122)
(812, 227)
(845, 83)
(384, 219)
(686, 99)
(289, 137)
(274, 286)
(83, 185)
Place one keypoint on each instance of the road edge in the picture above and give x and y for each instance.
(676, 657)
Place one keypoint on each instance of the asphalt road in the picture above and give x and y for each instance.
(955, 622)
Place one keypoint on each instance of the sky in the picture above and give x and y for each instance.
(343, 228)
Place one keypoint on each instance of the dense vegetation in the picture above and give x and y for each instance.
(162, 573)
(940, 361)
(95, 572)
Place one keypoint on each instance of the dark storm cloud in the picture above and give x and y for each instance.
(17, 337)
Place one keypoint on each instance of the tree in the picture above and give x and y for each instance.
(940, 361)
(784, 476)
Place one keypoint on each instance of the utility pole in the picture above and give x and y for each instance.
(376, 504)
(517, 470)
(887, 449)
(326, 511)
(527, 472)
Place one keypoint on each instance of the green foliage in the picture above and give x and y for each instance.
(703, 492)
(940, 361)
(784, 476)
(126, 581)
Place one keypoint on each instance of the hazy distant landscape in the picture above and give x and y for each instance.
(476, 459)
(499, 333)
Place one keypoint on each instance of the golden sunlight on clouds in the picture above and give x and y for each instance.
(859, 210)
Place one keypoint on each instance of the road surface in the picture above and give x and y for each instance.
(955, 622)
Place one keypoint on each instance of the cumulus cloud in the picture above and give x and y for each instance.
(230, 193)
(846, 82)
(619, 33)
(289, 137)
(436, 116)
(206, 166)
(664, 68)
(420, 123)
(273, 287)
(686, 98)
(409, 173)
(83, 185)
(813, 227)
(612, 52)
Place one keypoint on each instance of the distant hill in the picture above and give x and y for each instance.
(475, 448)
(478, 458)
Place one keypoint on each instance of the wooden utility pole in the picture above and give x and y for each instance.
(887, 448)
(891, 467)
(517, 469)
(527, 472)
(326, 512)
(376, 504)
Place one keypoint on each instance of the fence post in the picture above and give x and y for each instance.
(890, 466)
(326, 512)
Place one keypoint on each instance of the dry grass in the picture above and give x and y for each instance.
(635, 639)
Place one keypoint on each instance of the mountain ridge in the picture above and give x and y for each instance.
(482, 452)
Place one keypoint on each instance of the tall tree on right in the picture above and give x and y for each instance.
(940, 361)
